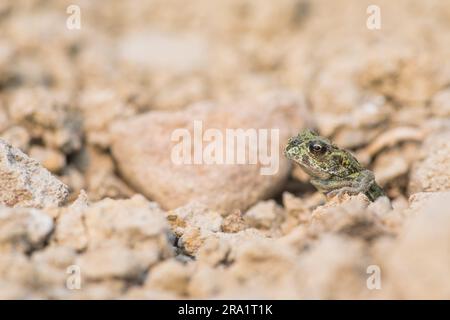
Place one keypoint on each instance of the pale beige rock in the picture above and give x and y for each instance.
(440, 105)
(121, 238)
(379, 96)
(197, 215)
(390, 165)
(100, 107)
(420, 259)
(108, 289)
(406, 77)
(47, 115)
(133, 219)
(135, 224)
(51, 270)
(52, 160)
(142, 147)
(264, 264)
(18, 137)
(17, 275)
(111, 262)
(140, 293)
(193, 223)
(159, 50)
(264, 215)
(23, 182)
(59, 257)
(234, 222)
(296, 207)
(71, 230)
(213, 251)
(333, 268)
(170, 275)
(23, 229)
(100, 176)
(349, 216)
(208, 281)
(4, 118)
(74, 179)
(227, 244)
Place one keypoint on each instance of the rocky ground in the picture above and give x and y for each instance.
(93, 207)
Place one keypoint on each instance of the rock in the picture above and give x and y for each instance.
(234, 222)
(440, 105)
(74, 179)
(107, 289)
(23, 229)
(170, 275)
(120, 238)
(71, 231)
(101, 179)
(432, 173)
(349, 216)
(195, 215)
(50, 271)
(147, 159)
(297, 208)
(23, 182)
(158, 50)
(222, 247)
(110, 263)
(135, 224)
(100, 107)
(193, 224)
(213, 251)
(18, 137)
(47, 115)
(52, 160)
(260, 264)
(207, 281)
(406, 77)
(333, 257)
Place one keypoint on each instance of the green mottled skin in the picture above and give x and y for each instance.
(333, 171)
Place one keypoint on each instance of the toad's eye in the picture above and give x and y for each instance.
(316, 148)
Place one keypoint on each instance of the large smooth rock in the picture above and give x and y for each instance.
(143, 149)
(432, 172)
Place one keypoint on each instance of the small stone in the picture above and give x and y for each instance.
(143, 148)
(23, 229)
(111, 262)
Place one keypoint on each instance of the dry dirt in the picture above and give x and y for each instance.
(93, 207)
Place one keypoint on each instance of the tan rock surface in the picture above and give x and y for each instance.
(432, 173)
(24, 182)
(97, 107)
